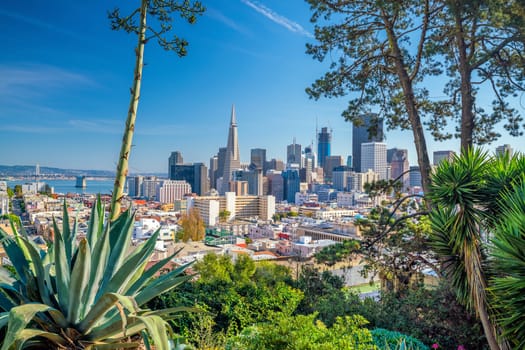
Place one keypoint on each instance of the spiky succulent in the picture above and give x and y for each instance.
(84, 292)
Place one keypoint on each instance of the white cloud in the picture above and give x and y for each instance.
(277, 18)
(219, 16)
(36, 78)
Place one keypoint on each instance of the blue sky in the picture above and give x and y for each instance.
(65, 78)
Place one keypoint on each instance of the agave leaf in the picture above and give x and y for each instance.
(170, 313)
(4, 318)
(5, 276)
(69, 239)
(141, 254)
(158, 287)
(79, 281)
(149, 273)
(96, 222)
(118, 345)
(29, 333)
(6, 303)
(62, 273)
(156, 327)
(15, 254)
(102, 306)
(19, 317)
(39, 270)
(119, 238)
(99, 258)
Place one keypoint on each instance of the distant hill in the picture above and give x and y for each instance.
(29, 170)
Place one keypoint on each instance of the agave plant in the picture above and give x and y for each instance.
(84, 293)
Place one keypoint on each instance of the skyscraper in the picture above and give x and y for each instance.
(439, 156)
(399, 166)
(373, 157)
(324, 140)
(194, 174)
(330, 163)
(258, 157)
(292, 184)
(371, 130)
(174, 159)
(293, 153)
(501, 150)
(232, 159)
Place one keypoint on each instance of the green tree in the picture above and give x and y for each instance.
(303, 332)
(10, 192)
(224, 215)
(161, 12)
(18, 191)
(385, 53)
(370, 45)
(482, 49)
(470, 194)
(192, 226)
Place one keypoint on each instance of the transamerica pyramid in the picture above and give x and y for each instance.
(232, 160)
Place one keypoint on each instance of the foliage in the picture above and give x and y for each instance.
(377, 55)
(509, 259)
(481, 51)
(323, 294)
(473, 196)
(192, 226)
(303, 332)
(431, 315)
(336, 253)
(160, 14)
(15, 219)
(10, 192)
(394, 240)
(224, 215)
(18, 191)
(384, 338)
(84, 292)
(234, 295)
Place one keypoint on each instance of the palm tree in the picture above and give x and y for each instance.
(457, 235)
(479, 232)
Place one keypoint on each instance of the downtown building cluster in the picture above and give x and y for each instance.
(310, 176)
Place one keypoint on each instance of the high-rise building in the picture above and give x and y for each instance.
(439, 156)
(373, 157)
(501, 150)
(340, 177)
(258, 157)
(275, 184)
(171, 190)
(150, 186)
(415, 176)
(292, 184)
(371, 130)
(275, 164)
(253, 177)
(324, 141)
(293, 153)
(174, 159)
(331, 162)
(194, 174)
(212, 171)
(232, 159)
(135, 186)
(399, 166)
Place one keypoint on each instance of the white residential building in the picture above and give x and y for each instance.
(171, 190)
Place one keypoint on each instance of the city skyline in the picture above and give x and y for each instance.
(66, 79)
